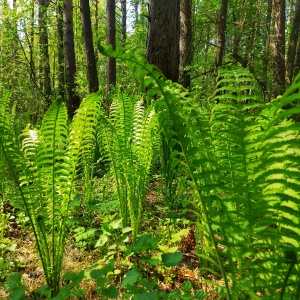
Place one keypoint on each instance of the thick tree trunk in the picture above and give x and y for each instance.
(73, 100)
(279, 47)
(44, 52)
(60, 50)
(297, 59)
(290, 65)
(163, 36)
(185, 44)
(222, 33)
(111, 74)
(89, 52)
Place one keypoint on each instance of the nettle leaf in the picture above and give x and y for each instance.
(116, 224)
(171, 259)
(154, 295)
(103, 239)
(111, 292)
(131, 277)
(151, 261)
(146, 242)
(126, 229)
(18, 293)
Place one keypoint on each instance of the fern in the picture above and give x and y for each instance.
(129, 136)
(45, 173)
(243, 168)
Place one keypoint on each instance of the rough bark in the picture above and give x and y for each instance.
(45, 78)
(163, 36)
(221, 33)
(124, 20)
(292, 47)
(267, 52)
(96, 26)
(279, 47)
(297, 59)
(91, 69)
(185, 44)
(60, 50)
(73, 100)
(111, 73)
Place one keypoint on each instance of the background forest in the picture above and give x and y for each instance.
(149, 149)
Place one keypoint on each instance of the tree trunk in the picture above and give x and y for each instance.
(111, 76)
(44, 52)
(185, 44)
(60, 49)
(163, 36)
(124, 20)
(89, 52)
(279, 47)
(73, 100)
(96, 26)
(297, 59)
(221, 34)
(290, 65)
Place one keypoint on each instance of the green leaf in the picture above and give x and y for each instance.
(14, 281)
(116, 224)
(174, 295)
(154, 295)
(171, 259)
(111, 292)
(146, 242)
(131, 277)
(151, 261)
(126, 229)
(18, 293)
(187, 286)
(103, 239)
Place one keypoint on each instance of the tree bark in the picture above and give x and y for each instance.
(297, 59)
(73, 100)
(111, 73)
(60, 50)
(89, 52)
(44, 52)
(185, 44)
(292, 47)
(279, 47)
(124, 20)
(163, 36)
(221, 33)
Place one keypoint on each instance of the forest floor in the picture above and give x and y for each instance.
(26, 259)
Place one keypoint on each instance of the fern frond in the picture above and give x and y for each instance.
(128, 139)
(30, 142)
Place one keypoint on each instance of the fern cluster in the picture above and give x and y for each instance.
(45, 169)
(242, 164)
(129, 136)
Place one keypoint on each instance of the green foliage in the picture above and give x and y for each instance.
(243, 168)
(128, 138)
(45, 170)
(15, 286)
